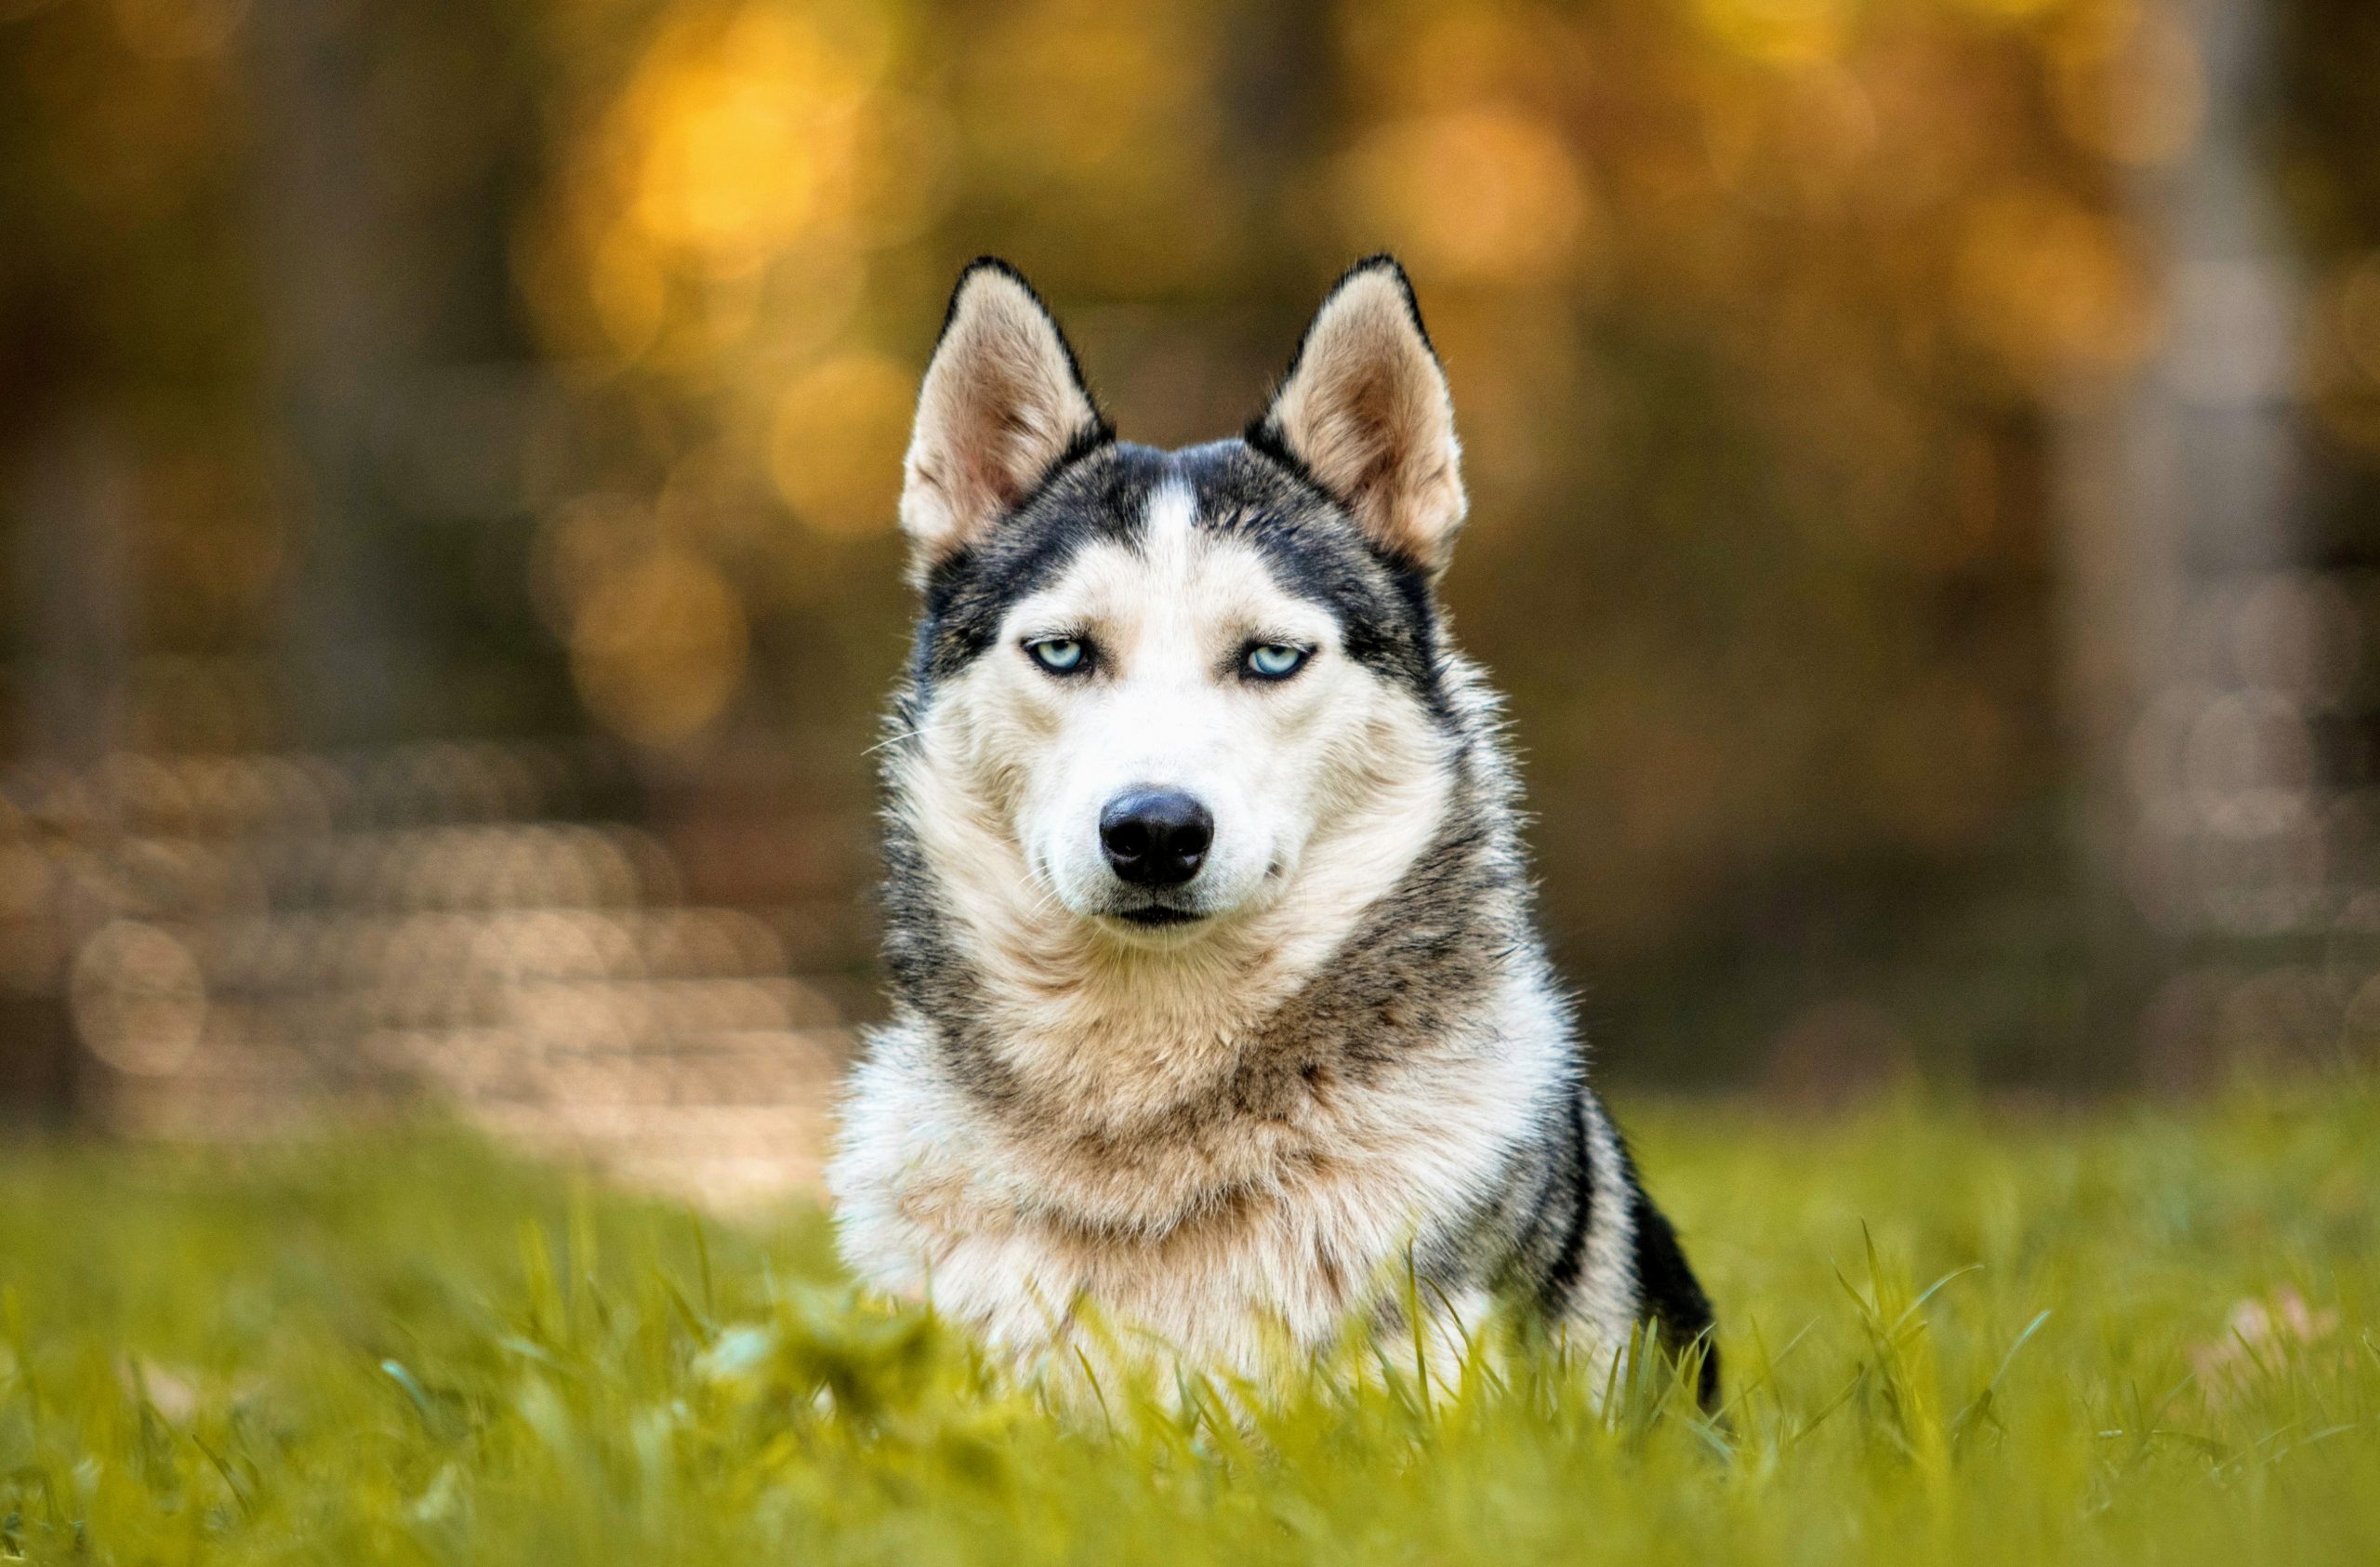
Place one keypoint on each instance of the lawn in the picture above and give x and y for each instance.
(2149, 1337)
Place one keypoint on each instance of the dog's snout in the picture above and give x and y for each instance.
(1156, 837)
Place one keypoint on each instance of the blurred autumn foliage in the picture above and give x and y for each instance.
(531, 369)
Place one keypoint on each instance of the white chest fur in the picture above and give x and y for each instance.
(1221, 1235)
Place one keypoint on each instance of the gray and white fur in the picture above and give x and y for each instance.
(1218, 1002)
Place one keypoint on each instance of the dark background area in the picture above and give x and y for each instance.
(1923, 463)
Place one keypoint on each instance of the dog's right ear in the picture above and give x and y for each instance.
(1002, 404)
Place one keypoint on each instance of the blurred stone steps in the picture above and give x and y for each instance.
(244, 944)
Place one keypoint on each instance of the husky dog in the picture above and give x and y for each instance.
(1219, 1004)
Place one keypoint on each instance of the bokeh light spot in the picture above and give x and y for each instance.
(658, 646)
(1487, 193)
(837, 448)
(138, 998)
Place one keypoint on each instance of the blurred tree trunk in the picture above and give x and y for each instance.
(1280, 83)
(346, 323)
(2181, 504)
(75, 510)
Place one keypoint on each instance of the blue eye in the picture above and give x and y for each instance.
(1274, 660)
(1058, 655)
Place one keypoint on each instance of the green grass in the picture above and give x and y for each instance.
(410, 1349)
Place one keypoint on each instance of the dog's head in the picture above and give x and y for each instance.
(1151, 687)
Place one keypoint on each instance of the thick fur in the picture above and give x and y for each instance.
(1344, 1054)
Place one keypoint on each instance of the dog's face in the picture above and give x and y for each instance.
(1155, 681)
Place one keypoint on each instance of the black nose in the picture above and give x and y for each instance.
(1155, 837)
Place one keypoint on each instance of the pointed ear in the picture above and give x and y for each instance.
(1365, 411)
(1003, 404)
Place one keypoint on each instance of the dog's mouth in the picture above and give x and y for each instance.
(1156, 916)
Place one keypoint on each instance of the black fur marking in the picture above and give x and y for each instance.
(1673, 1301)
(1575, 1171)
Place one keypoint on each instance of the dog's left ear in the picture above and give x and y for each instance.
(1365, 411)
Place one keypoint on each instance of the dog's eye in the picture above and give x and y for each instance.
(1059, 655)
(1274, 660)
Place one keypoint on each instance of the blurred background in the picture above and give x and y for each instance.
(1925, 461)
